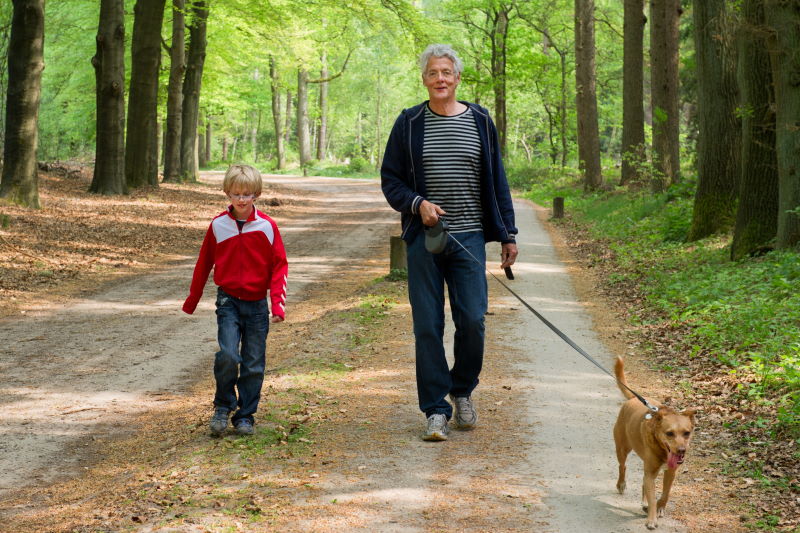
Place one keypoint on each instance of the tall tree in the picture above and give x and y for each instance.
(287, 129)
(303, 133)
(499, 36)
(192, 81)
(783, 17)
(322, 128)
(109, 68)
(492, 21)
(141, 154)
(633, 147)
(719, 140)
(664, 55)
(177, 67)
(280, 151)
(558, 119)
(757, 214)
(586, 97)
(20, 182)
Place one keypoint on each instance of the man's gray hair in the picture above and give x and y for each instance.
(440, 50)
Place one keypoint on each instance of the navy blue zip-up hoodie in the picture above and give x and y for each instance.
(403, 177)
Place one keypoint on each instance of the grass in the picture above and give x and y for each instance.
(745, 314)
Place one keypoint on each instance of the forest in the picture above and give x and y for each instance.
(670, 127)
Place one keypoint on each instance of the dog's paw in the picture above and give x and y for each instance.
(621, 487)
(661, 510)
(651, 525)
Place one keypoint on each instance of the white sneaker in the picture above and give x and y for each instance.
(465, 416)
(437, 428)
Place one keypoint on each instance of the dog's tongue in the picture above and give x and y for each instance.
(673, 460)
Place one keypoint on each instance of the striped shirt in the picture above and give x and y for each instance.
(451, 158)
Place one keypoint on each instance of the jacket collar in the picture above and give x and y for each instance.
(249, 219)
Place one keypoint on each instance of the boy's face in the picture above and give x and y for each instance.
(242, 201)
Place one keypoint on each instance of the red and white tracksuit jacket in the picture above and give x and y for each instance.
(246, 263)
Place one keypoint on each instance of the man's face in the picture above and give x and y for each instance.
(441, 79)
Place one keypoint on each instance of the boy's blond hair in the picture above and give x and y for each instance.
(242, 177)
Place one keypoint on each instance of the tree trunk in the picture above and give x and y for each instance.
(378, 134)
(586, 98)
(208, 139)
(5, 31)
(141, 155)
(20, 181)
(633, 147)
(201, 152)
(303, 133)
(719, 140)
(784, 20)
(254, 135)
(757, 215)
(562, 110)
(499, 34)
(225, 148)
(322, 129)
(276, 115)
(177, 68)
(109, 69)
(287, 130)
(191, 90)
(664, 45)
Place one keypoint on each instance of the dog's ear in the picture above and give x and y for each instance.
(690, 413)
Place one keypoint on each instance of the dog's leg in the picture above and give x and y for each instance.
(623, 450)
(649, 495)
(622, 457)
(669, 477)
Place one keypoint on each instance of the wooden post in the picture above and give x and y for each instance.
(558, 207)
(397, 253)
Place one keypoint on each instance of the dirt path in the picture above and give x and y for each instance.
(97, 436)
(84, 369)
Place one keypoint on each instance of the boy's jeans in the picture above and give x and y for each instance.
(240, 321)
(468, 292)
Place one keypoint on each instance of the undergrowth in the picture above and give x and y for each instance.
(746, 314)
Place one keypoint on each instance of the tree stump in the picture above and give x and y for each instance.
(397, 253)
(558, 207)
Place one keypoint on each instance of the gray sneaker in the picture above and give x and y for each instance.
(465, 416)
(437, 428)
(244, 427)
(219, 422)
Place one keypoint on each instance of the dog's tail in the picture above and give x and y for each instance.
(619, 371)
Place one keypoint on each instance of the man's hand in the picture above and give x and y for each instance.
(275, 319)
(508, 254)
(430, 213)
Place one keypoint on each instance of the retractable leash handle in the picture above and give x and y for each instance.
(550, 325)
(436, 236)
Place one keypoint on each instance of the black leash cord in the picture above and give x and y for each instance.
(556, 330)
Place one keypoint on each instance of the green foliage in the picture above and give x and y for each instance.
(745, 314)
(523, 176)
(358, 164)
(397, 274)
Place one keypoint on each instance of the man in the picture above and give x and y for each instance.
(443, 160)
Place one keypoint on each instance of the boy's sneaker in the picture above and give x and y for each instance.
(244, 427)
(219, 422)
(437, 428)
(465, 416)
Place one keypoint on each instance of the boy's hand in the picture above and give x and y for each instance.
(275, 319)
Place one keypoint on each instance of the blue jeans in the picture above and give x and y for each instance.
(246, 323)
(468, 291)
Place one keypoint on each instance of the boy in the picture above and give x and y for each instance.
(245, 249)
